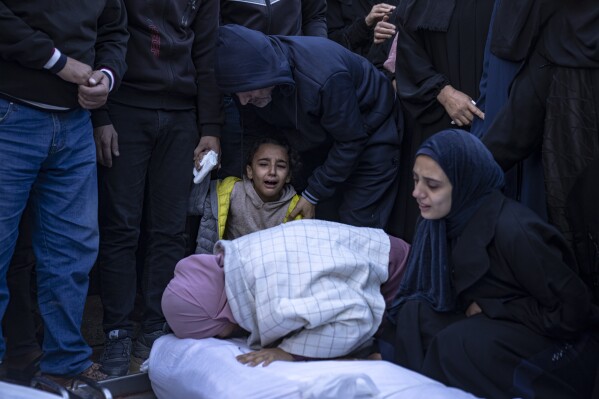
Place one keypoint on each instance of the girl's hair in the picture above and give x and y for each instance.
(294, 159)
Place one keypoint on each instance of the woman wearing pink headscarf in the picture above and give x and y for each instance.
(304, 289)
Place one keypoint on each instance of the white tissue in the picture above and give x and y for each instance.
(208, 163)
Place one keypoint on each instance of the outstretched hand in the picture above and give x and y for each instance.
(264, 357)
(304, 208)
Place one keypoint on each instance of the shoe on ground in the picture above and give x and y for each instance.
(116, 356)
(92, 372)
(144, 343)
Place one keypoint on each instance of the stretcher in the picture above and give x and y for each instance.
(207, 368)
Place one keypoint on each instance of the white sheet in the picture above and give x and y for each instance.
(190, 369)
(12, 391)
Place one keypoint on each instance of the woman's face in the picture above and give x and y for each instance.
(432, 188)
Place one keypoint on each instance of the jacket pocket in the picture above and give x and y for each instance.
(6, 107)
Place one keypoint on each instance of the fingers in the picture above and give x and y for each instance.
(476, 111)
(468, 113)
(378, 12)
(91, 97)
(293, 214)
(383, 31)
(106, 140)
(253, 359)
(95, 78)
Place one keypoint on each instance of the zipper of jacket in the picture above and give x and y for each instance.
(189, 9)
(268, 16)
(169, 48)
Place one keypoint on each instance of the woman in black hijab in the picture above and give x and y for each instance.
(489, 303)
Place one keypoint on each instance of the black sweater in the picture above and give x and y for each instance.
(283, 17)
(92, 32)
(170, 58)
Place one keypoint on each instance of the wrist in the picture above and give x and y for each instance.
(444, 93)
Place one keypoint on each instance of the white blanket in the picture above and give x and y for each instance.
(207, 368)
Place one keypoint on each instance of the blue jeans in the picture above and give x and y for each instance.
(51, 159)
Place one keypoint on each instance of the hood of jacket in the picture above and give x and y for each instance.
(248, 60)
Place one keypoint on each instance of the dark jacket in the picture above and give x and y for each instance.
(283, 17)
(92, 32)
(170, 57)
(517, 267)
(326, 97)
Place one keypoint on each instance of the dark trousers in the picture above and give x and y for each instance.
(152, 176)
(19, 323)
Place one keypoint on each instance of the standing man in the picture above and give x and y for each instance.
(57, 59)
(330, 104)
(146, 139)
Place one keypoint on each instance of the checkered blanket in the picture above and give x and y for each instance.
(313, 284)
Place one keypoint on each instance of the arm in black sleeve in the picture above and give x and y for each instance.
(20, 43)
(354, 36)
(111, 42)
(418, 82)
(209, 97)
(314, 18)
(342, 119)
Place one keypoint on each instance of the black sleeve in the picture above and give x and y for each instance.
(557, 303)
(209, 97)
(21, 43)
(418, 82)
(111, 43)
(354, 36)
(342, 119)
(314, 18)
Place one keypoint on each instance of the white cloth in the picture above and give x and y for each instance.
(207, 369)
(316, 283)
(12, 391)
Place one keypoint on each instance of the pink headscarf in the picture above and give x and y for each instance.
(194, 302)
(398, 256)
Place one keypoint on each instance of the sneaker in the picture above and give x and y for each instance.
(144, 343)
(117, 353)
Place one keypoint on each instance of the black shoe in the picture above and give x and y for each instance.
(144, 343)
(117, 353)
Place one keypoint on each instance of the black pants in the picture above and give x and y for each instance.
(20, 322)
(152, 176)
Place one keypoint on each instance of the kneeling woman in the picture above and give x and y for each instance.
(489, 302)
(307, 289)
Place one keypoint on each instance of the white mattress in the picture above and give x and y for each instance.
(207, 368)
(11, 391)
